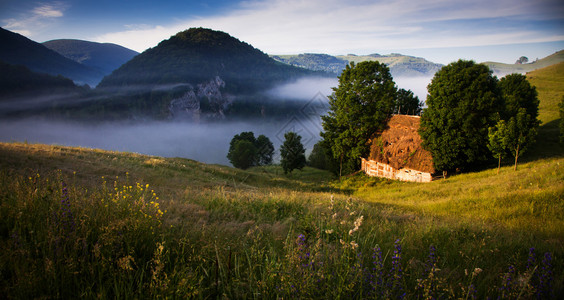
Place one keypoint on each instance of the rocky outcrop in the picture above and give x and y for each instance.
(206, 100)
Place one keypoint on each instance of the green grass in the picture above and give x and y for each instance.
(223, 232)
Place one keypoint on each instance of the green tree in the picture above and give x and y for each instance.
(463, 102)
(407, 103)
(261, 155)
(518, 93)
(359, 108)
(520, 133)
(243, 154)
(498, 141)
(265, 150)
(521, 112)
(292, 152)
(320, 157)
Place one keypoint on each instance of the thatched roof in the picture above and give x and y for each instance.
(400, 145)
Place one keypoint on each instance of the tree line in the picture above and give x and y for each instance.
(470, 118)
(246, 151)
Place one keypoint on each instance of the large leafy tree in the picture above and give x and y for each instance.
(359, 108)
(243, 154)
(463, 102)
(254, 152)
(292, 152)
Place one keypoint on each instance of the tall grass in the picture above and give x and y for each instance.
(118, 239)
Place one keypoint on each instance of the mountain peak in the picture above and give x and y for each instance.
(195, 56)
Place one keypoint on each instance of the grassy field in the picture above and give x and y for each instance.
(87, 223)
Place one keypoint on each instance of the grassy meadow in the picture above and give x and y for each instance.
(87, 223)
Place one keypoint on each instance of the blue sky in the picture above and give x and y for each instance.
(439, 30)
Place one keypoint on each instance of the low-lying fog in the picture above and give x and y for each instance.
(207, 143)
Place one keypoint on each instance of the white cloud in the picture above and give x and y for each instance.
(331, 26)
(30, 22)
(48, 11)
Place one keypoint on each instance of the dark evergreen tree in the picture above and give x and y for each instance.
(265, 150)
(292, 152)
(359, 108)
(463, 102)
(407, 103)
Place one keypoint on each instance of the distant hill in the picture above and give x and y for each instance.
(400, 65)
(501, 69)
(103, 57)
(312, 61)
(199, 55)
(16, 49)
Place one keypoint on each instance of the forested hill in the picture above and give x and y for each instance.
(103, 57)
(198, 55)
(16, 49)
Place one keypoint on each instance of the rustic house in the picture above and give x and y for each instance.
(397, 153)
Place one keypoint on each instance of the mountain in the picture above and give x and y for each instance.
(313, 61)
(501, 69)
(199, 55)
(16, 49)
(400, 65)
(103, 57)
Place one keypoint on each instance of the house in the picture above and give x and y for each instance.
(397, 153)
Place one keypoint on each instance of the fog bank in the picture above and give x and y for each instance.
(208, 143)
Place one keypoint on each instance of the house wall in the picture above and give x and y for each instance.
(377, 169)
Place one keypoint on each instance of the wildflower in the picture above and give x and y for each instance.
(395, 284)
(354, 245)
(357, 224)
(377, 269)
(329, 231)
(545, 278)
(476, 272)
(125, 263)
(506, 288)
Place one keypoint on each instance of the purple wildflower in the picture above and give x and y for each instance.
(395, 283)
(507, 284)
(544, 289)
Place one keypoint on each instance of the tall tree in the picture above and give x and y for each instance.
(520, 133)
(265, 150)
(292, 152)
(359, 108)
(407, 103)
(498, 144)
(463, 102)
(521, 112)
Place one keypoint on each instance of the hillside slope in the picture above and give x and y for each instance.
(103, 57)
(16, 49)
(549, 83)
(501, 69)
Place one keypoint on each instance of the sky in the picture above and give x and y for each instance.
(441, 31)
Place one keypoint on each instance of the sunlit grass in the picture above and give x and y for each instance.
(222, 232)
